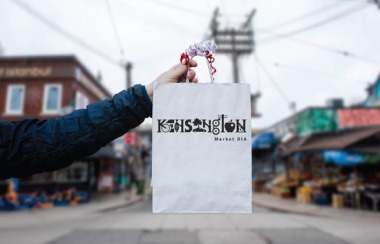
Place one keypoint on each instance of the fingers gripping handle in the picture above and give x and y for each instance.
(204, 48)
(210, 70)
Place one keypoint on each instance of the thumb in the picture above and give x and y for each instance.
(178, 70)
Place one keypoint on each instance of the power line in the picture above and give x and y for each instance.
(337, 51)
(125, 6)
(316, 72)
(86, 16)
(229, 41)
(178, 7)
(257, 76)
(272, 80)
(64, 32)
(118, 10)
(241, 73)
(225, 12)
(321, 10)
(318, 24)
(158, 21)
(114, 27)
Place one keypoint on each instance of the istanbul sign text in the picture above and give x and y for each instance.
(25, 72)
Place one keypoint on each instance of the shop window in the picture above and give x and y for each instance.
(280, 168)
(52, 99)
(15, 101)
(76, 172)
(38, 178)
(267, 167)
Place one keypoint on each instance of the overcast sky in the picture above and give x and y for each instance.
(153, 34)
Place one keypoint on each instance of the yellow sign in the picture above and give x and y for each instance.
(25, 72)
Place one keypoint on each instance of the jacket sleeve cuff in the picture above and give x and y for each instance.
(147, 96)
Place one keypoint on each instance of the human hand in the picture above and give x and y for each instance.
(177, 74)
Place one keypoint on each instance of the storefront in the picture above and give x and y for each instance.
(65, 187)
(265, 163)
(339, 168)
(47, 87)
(108, 170)
(262, 148)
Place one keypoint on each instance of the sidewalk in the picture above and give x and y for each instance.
(97, 204)
(105, 202)
(291, 205)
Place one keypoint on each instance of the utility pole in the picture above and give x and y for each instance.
(1, 50)
(128, 68)
(234, 42)
(234, 56)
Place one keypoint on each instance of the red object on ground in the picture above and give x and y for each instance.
(285, 195)
(129, 138)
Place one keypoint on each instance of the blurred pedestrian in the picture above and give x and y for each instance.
(144, 161)
(32, 146)
(132, 177)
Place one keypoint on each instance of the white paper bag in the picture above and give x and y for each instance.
(201, 148)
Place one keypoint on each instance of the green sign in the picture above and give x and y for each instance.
(371, 158)
(316, 120)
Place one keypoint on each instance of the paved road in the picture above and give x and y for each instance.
(146, 207)
(137, 225)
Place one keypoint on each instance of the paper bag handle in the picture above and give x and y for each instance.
(209, 70)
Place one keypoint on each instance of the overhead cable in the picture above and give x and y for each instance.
(355, 9)
(158, 21)
(316, 72)
(115, 28)
(272, 80)
(308, 15)
(188, 10)
(337, 51)
(65, 33)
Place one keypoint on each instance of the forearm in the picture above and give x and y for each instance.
(149, 90)
(114, 117)
(35, 146)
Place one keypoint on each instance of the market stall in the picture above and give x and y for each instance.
(108, 170)
(262, 163)
(325, 170)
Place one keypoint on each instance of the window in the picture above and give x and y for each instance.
(15, 100)
(78, 74)
(78, 171)
(52, 98)
(81, 101)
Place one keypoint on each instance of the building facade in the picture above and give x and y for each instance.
(47, 87)
(373, 91)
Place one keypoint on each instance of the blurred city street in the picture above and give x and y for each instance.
(95, 110)
(135, 224)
